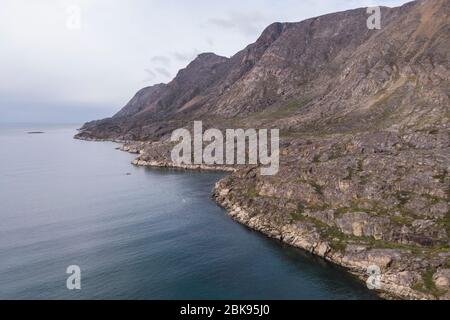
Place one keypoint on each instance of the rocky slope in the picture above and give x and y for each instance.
(365, 153)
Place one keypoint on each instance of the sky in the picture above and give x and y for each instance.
(77, 60)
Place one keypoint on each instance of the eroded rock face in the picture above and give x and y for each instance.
(360, 224)
(365, 152)
(442, 279)
(386, 205)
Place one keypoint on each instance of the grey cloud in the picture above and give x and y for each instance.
(224, 23)
(250, 24)
(186, 56)
(162, 71)
(150, 75)
(161, 60)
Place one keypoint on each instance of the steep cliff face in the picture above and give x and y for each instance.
(365, 149)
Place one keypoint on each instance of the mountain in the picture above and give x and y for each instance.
(364, 121)
(329, 73)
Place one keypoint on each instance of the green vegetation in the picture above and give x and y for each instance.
(427, 285)
(316, 158)
(401, 220)
(338, 245)
(369, 206)
(285, 110)
(251, 193)
(339, 240)
(297, 216)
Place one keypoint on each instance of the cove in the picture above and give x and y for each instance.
(154, 234)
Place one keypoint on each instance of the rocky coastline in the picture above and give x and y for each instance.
(394, 285)
(170, 165)
(401, 267)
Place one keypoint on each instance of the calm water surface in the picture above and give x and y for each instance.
(154, 234)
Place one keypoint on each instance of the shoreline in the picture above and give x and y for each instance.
(298, 236)
(290, 236)
(169, 165)
(301, 239)
(286, 234)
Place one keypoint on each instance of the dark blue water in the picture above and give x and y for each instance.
(154, 234)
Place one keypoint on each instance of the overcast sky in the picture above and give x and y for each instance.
(53, 69)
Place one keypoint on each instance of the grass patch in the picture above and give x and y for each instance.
(338, 245)
(251, 193)
(401, 220)
(428, 286)
(285, 110)
(297, 216)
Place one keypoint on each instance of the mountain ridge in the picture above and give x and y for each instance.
(262, 75)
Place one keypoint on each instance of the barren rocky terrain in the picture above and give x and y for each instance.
(364, 122)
